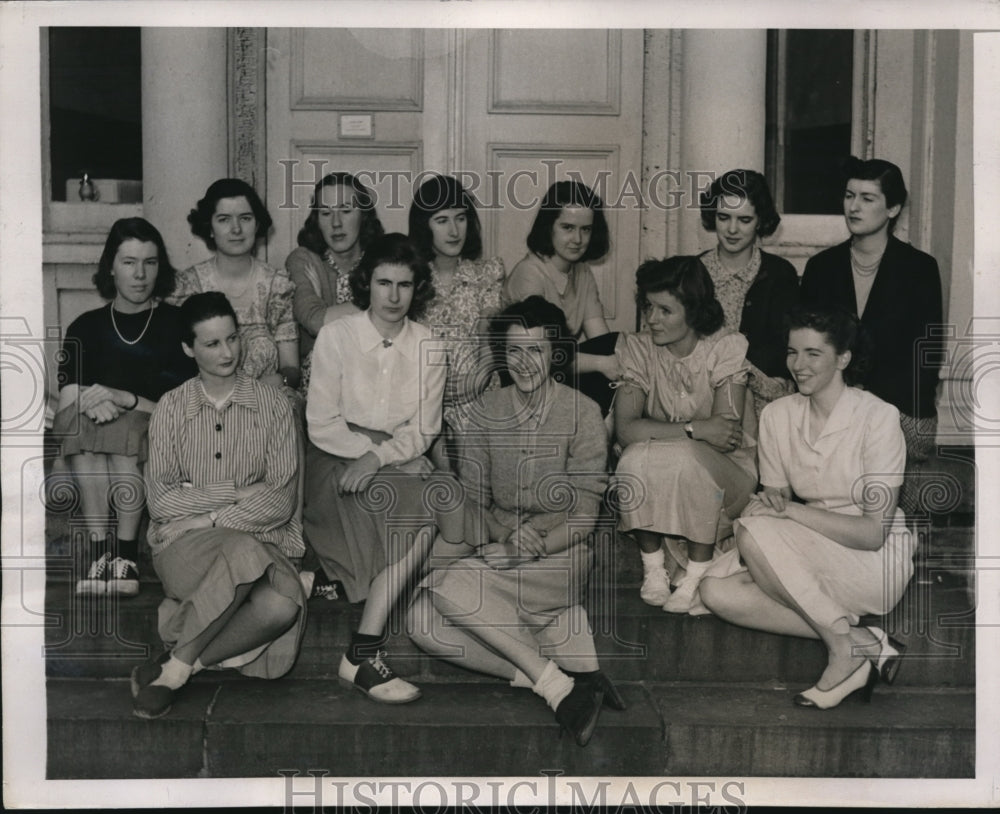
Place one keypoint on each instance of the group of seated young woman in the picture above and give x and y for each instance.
(413, 420)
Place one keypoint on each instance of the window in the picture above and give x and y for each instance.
(810, 97)
(95, 114)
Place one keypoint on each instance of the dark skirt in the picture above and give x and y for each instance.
(126, 435)
(356, 536)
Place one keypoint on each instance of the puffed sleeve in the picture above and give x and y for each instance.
(186, 283)
(633, 352)
(773, 424)
(727, 360)
(524, 280)
(884, 449)
(280, 316)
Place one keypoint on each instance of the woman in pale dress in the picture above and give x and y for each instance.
(681, 416)
(533, 473)
(824, 542)
(342, 222)
(445, 228)
(231, 219)
(755, 288)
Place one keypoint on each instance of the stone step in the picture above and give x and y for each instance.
(104, 637)
(253, 728)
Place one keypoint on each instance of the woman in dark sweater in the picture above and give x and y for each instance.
(116, 362)
(894, 289)
(756, 289)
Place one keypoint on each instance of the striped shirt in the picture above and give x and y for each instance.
(199, 455)
(358, 379)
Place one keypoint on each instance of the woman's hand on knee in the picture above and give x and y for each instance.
(528, 540)
(103, 412)
(358, 474)
(720, 433)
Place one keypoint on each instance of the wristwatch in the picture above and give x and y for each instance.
(213, 516)
(689, 430)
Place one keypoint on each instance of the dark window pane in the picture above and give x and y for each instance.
(810, 79)
(95, 105)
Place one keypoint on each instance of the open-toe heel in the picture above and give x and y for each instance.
(890, 655)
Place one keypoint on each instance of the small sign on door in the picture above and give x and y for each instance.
(357, 125)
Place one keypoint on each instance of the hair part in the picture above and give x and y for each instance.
(310, 236)
(202, 307)
(133, 229)
(436, 194)
(200, 217)
(393, 249)
(748, 185)
(841, 329)
(686, 278)
(536, 312)
(569, 194)
(888, 176)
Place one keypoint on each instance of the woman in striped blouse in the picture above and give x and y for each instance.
(221, 491)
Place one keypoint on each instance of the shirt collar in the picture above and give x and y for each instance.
(243, 394)
(841, 417)
(558, 279)
(370, 339)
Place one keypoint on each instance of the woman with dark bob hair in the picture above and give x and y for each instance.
(230, 219)
(755, 288)
(569, 230)
(823, 542)
(221, 480)
(374, 407)
(444, 227)
(342, 223)
(531, 505)
(682, 417)
(895, 290)
(116, 363)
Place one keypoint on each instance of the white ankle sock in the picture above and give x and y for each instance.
(174, 674)
(197, 667)
(696, 570)
(521, 680)
(553, 685)
(651, 560)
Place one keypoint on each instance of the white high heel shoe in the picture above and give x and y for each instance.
(864, 679)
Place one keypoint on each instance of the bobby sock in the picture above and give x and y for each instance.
(553, 685)
(652, 560)
(174, 674)
(197, 667)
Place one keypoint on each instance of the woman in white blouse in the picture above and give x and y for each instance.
(374, 407)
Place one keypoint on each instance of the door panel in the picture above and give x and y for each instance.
(509, 111)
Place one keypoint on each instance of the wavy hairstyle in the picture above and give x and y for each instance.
(200, 307)
(133, 229)
(687, 279)
(393, 249)
(536, 312)
(437, 193)
(310, 236)
(562, 194)
(842, 330)
(200, 217)
(888, 176)
(748, 185)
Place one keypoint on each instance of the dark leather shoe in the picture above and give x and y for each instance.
(612, 698)
(578, 712)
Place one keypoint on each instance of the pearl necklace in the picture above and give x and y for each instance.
(861, 269)
(114, 325)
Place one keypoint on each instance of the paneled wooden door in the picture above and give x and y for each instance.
(509, 111)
